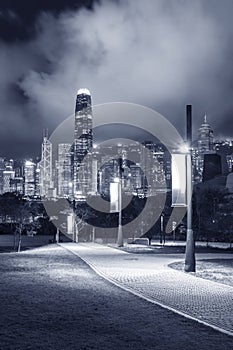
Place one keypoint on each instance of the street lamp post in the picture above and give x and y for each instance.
(93, 235)
(20, 237)
(116, 202)
(174, 231)
(190, 263)
(120, 241)
(73, 222)
(182, 190)
(57, 235)
(116, 206)
(161, 229)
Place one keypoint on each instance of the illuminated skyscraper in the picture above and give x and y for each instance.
(2, 168)
(37, 181)
(64, 170)
(29, 178)
(46, 183)
(8, 179)
(83, 138)
(205, 138)
(205, 144)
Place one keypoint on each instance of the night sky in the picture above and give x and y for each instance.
(161, 54)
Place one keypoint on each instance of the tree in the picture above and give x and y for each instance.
(17, 211)
(208, 202)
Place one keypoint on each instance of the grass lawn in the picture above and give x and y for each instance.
(218, 270)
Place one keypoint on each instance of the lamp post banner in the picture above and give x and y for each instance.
(114, 197)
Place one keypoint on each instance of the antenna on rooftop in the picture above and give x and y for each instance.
(45, 133)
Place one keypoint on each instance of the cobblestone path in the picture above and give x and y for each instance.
(150, 277)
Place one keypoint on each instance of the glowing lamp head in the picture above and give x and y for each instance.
(184, 148)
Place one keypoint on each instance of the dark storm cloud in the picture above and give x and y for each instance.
(17, 18)
(162, 54)
(9, 16)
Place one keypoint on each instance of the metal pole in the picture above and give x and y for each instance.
(120, 241)
(174, 231)
(190, 263)
(73, 222)
(57, 235)
(15, 232)
(161, 229)
(174, 235)
(76, 232)
(20, 237)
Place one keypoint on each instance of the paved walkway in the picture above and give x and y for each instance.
(149, 277)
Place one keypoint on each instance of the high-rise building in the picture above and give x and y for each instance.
(46, 175)
(8, 177)
(83, 139)
(18, 184)
(212, 166)
(95, 173)
(11, 179)
(230, 162)
(64, 170)
(152, 163)
(225, 149)
(205, 144)
(136, 177)
(37, 181)
(205, 141)
(107, 173)
(2, 168)
(29, 178)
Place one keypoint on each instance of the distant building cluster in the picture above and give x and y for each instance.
(20, 177)
(79, 170)
(210, 158)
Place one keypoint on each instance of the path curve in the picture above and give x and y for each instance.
(150, 278)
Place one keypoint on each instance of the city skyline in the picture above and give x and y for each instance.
(81, 169)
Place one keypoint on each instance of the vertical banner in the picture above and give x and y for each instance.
(179, 180)
(70, 224)
(114, 197)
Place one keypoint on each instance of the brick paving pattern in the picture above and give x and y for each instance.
(149, 276)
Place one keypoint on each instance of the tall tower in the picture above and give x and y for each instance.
(2, 168)
(8, 177)
(83, 138)
(64, 170)
(46, 182)
(29, 178)
(205, 144)
(205, 138)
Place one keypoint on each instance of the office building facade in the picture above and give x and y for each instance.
(83, 139)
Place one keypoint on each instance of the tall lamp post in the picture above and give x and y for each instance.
(182, 190)
(73, 222)
(116, 202)
(120, 240)
(116, 206)
(190, 263)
